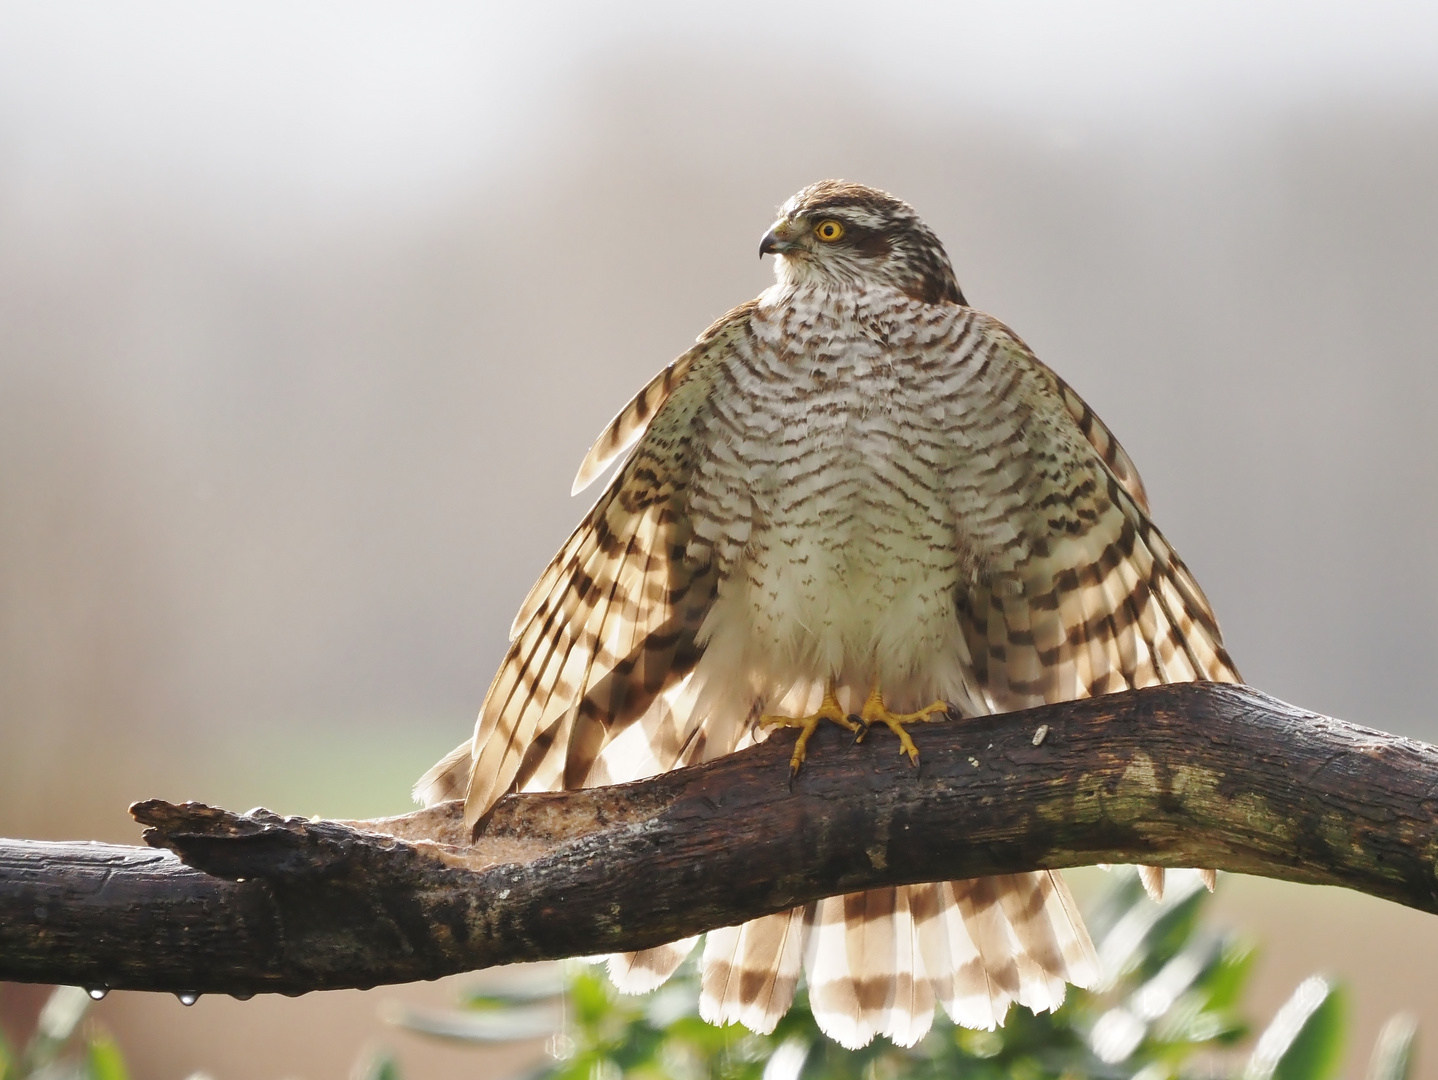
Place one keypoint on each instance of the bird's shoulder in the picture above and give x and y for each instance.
(1052, 395)
(636, 419)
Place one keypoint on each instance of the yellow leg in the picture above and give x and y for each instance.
(829, 709)
(876, 712)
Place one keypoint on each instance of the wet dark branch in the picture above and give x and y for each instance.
(1193, 775)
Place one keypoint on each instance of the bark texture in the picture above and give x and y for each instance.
(1188, 775)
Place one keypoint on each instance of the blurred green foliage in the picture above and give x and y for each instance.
(1172, 1008)
(62, 1048)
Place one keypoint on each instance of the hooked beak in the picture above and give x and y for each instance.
(777, 240)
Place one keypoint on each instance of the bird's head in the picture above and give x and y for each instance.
(851, 234)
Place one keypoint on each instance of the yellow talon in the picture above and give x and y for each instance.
(876, 712)
(829, 709)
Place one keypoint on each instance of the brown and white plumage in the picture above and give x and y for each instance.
(854, 478)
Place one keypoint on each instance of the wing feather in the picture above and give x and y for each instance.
(578, 664)
(611, 624)
(1093, 598)
(634, 419)
(1113, 455)
(1106, 610)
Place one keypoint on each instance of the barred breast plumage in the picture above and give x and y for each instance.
(854, 480)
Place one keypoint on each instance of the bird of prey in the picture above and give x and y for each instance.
(855, 500)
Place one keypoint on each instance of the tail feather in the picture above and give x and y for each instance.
(878, 961)
(646, 970)
(751, 971)
(955, 966)
(911, 1012)
(849, 998)
(1081, 963)
(995, 966)
(1043, 963)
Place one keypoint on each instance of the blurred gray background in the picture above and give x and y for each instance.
(309, 311)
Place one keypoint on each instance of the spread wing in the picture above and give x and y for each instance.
(1091, 599)
(1114, 456)
(610, 626)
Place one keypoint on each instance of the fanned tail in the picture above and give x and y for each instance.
(878, 961)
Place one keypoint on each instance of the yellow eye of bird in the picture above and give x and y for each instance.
(829, 230)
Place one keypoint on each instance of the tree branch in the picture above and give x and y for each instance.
(1188, 775)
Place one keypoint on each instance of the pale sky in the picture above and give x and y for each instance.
(361, 103)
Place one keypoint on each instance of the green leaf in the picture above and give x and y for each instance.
(1224, 983)
(1393, 1053)
(1141, 936)
(104, 1060)
(380, 1066)
(1305, 1039)
(1181, 907)
(980, 1044)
